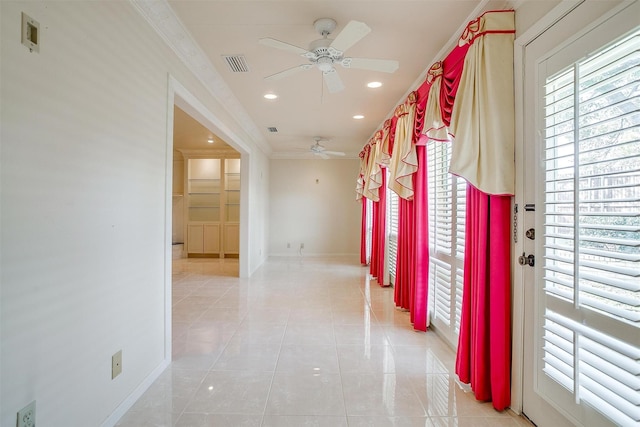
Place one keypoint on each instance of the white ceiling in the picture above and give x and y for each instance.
(413, 32)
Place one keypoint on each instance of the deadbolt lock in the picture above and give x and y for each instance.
(531, 233)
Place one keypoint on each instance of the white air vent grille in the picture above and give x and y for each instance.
(236, 63)
(272, 129)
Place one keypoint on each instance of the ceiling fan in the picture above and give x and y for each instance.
(324, 53)
(320, 151)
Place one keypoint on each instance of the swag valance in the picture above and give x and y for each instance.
(470, 104)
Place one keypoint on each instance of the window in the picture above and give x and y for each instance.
(392, 233)
(592, 230)
(447, 200)
(369, 228)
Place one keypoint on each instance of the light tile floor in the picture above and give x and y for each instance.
(303, 342)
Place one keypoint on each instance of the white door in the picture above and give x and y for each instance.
(582, 184)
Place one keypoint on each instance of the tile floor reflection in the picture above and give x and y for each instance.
(303, 342)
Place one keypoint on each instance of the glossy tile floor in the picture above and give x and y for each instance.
(304, 342)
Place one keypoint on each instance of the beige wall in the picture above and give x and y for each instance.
(313, 202)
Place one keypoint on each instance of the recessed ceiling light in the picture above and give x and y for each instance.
(271, 96)
(210, 140)
(374, 85)
(358, 117)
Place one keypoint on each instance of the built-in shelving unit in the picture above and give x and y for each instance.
(212, 205)
(231, 206)
(204, 180)
(232, 189)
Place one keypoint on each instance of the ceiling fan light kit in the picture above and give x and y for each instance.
(324, 53)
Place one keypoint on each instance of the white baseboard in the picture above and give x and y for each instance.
(137, 393)
(310, 255)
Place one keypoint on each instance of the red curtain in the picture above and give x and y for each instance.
(405, 259)
(412, 265)
(420, 282)
(373, 262)
(484, 344)
(363, 232)
(382, 231)
(420, 289)
(378, 238)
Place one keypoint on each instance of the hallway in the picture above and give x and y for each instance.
(304, 342)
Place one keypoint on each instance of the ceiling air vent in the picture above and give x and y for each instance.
(236, 63)
(272, 129)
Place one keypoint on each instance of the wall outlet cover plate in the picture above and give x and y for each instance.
(27, 416)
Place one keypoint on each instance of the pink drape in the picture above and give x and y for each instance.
(412, 270)
(405, 258)
(484, 344)
(363, 232)
(378, 238)
(382, 230)
(420, 284)
(375, 235)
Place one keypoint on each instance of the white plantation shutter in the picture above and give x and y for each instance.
(460, 208)
(442, 290)
(592, 231)
(447, 200)
(369, 228)
(392, 225)
(458, 293)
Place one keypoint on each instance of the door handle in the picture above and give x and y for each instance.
(529, 260)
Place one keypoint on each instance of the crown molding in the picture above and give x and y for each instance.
(163, 20)
(307, 155)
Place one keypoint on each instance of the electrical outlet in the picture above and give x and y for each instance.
(116, 364)
(27, 416)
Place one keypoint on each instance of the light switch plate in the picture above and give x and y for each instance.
(30, 33)
(116, 364)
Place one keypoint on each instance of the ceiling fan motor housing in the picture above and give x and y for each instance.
(324, 55)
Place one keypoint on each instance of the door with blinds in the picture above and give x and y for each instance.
(582, 337)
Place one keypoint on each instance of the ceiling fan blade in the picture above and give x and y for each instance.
(334, 153)
(384, 65)
(333, 81)
(350, 35)
(288, 72)
(283, 46)
(321, 155)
